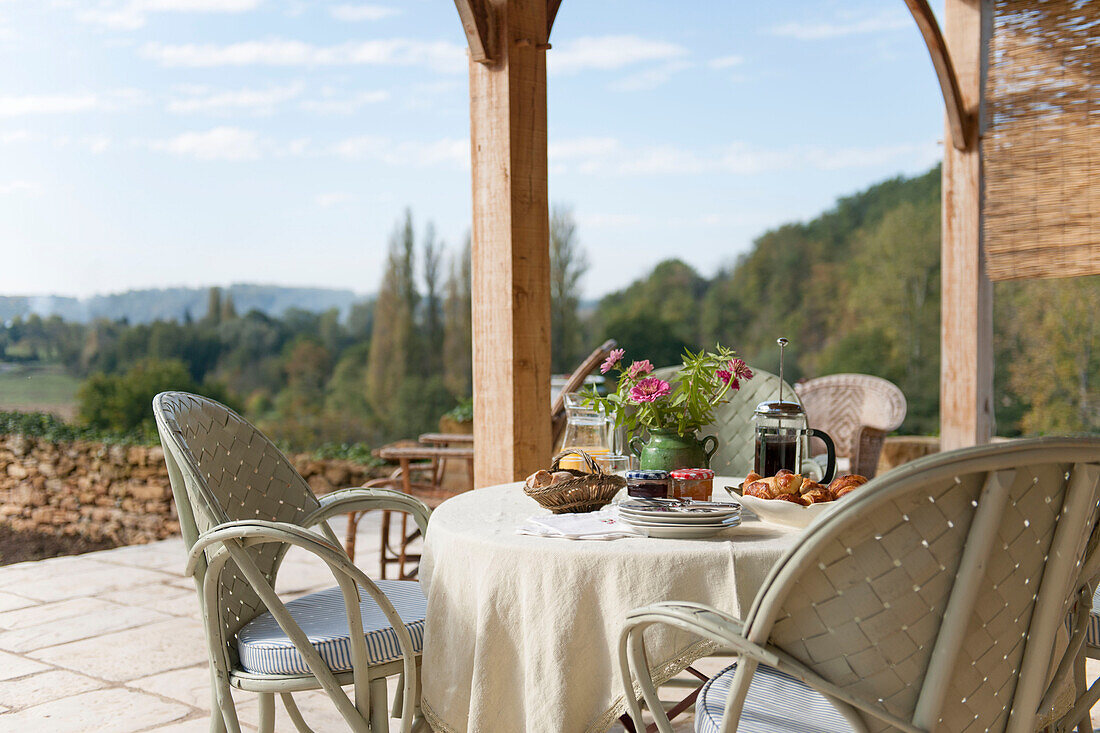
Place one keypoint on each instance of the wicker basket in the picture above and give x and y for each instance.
(586, 492)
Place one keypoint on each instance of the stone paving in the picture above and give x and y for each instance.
(111, 641)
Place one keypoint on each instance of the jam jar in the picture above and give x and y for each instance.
(692, 483)
(647, 484)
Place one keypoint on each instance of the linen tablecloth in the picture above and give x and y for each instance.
(522, 632)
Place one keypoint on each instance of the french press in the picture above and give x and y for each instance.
(783, 436)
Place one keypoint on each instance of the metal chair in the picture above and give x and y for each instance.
(857, 411)
(934, 598)
(241, 506)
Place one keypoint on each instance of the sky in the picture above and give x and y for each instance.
(155, 143)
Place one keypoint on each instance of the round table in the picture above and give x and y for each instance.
(522, 632)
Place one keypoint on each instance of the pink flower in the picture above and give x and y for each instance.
(639, 368)
(649, 390)
(740, 369)
(724, 377)
(612, 359)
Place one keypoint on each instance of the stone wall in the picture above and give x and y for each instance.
(113, 492)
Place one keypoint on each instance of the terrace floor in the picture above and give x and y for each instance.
(111, 641)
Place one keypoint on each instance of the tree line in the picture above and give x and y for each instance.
(856, 289)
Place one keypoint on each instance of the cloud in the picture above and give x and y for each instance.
(334, 101)
(725, 62)
(40, 104)
(607, 53)
(608, 156)
(334, 198)
(25, 187)
(850, 25)
(220, 143)
(9, 137)
(650, 78)
(256, 101)
(129, 15)
(448, 151)
(437, 55)
(355, 13)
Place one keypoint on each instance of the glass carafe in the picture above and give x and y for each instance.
(782, 441)
(586, 429)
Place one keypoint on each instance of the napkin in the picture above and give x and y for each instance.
(598, 525)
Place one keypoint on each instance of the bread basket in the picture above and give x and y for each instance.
(586, 492)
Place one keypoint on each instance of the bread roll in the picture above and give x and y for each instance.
(539, 479)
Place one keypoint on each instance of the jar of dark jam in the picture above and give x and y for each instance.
(647, 484)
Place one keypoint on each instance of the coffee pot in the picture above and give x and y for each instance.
(783, 436)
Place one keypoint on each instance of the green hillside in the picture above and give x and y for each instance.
(857, 289)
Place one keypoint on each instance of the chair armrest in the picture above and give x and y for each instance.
(866, 449)
(345, 501)
(232, 539)
(726, 630)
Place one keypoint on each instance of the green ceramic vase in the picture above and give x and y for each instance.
(667, 450)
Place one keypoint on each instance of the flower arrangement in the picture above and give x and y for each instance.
(641, 401)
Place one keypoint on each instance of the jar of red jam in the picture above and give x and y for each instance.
(647, 484)
(692, 483)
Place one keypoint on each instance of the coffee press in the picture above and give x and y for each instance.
(783, 435)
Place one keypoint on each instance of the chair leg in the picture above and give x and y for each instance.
(404, 546)
(349, 539)
(379, 710)
(384, 559)
(294, 713)
(224, 713)
(267, 712)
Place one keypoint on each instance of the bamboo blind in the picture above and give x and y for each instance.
(1042, 142)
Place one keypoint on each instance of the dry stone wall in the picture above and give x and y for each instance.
(112, 492)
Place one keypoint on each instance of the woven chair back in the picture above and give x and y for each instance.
(223, 469)
(939, 591)
(840, 403)
(733, 424)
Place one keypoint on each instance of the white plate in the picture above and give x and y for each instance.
(677, 517)
(789, 514)
(684, 533)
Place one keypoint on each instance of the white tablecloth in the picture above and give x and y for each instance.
(522, 632)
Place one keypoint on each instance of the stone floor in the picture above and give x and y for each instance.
(111, 641)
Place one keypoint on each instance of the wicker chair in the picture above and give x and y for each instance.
(241, 506)
(733, 420)
(934, 598)
(857, 411)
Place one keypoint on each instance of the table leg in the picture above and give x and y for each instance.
(349, 540)
(404, 545)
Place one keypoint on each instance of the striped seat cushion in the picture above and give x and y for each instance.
(264, 648)
(1092, 633)
(776, 703)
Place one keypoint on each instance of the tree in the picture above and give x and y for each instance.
(122, 402)
(433, 307)
(458, 353)
(568, 264)
(213, 307)
(393, 348)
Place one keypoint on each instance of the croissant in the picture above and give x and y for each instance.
(759, 489)
(817, 496)
(794, 499)
(846, 484)
(751, 478)
(808, 485)
(539, 479)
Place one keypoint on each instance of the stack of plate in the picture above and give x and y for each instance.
(688, 520)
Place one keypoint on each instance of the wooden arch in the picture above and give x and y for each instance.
(511, 267)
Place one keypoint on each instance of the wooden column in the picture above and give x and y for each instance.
(511, 235)
(966, 351)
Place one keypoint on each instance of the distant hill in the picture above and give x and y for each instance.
(172, 304)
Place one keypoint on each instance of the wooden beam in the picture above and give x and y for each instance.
(478, 22)
(959, 118)
(966, 338)
(511, 249)
(552, 7)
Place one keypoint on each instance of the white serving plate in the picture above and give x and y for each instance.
(667, 532)
(638, 522)
(777, 511)
(677, 517)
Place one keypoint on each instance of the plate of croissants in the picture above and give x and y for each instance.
(790, 499)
